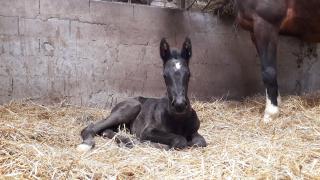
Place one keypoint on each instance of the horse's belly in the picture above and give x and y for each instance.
(304, 28)
(302, 20)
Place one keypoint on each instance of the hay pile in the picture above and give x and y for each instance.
(39, 142)
(216, 7)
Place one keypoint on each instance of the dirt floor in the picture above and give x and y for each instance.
(39, 142)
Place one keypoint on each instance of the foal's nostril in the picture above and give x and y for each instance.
(180, 106)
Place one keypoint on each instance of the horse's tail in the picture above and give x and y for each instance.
(87, 135)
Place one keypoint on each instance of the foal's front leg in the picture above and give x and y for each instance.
(170, 139)
(197, 140)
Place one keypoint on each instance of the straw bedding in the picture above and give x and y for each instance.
(38, 142)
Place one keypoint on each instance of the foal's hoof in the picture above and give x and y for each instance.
(198, 143)
(124, 141)
(129, 145)
(179, 143)
(83, 147)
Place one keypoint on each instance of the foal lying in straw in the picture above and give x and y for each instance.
(169, 120)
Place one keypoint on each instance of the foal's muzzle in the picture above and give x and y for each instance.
(180, 104)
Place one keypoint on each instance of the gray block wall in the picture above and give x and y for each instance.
(97, 53)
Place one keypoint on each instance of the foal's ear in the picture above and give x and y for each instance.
(186, 51)
(165, 52)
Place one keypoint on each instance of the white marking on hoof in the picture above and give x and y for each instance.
(271, 112)
(83, 148)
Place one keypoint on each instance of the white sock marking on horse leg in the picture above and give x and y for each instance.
(272, 111)
(279, 99)
(83, 147)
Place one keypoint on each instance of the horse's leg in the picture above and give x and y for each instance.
(110, 133)
(265, 36)
(122, 113)
(197, 140)
(159, 136)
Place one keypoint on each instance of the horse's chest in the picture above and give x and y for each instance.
(181, 127)
(176, 128)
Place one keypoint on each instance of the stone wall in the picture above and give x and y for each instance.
(96, 53)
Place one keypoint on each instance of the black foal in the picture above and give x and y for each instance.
(169, 120)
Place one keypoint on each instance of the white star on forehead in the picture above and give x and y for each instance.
(177, 65)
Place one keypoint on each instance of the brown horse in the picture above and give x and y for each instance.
(266, 19)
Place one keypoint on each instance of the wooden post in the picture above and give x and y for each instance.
(182, 4)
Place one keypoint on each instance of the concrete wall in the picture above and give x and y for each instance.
(96, 53)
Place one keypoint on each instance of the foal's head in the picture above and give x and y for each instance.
(176, 74)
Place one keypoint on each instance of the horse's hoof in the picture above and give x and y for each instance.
(179, 143)
(270, 116)
(83, 148)
(271, 112)
(201, 143)
(129, 145)
(267, 119)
